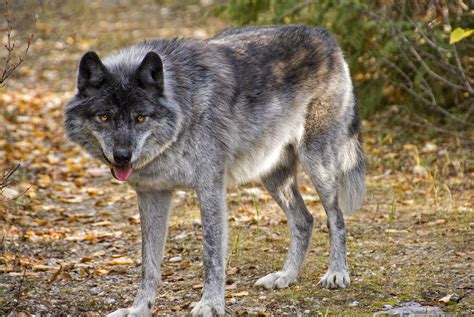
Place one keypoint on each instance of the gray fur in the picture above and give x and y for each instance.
(247, 104)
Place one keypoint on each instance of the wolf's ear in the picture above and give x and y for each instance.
(150, 72)
(92, 74)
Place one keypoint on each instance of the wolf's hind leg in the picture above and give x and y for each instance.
(318, 155)
(281, 183)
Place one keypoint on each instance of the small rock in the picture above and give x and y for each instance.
(429, 148)
(10, 193)
(253, 191)
(95, 291)
(411, 308)
(354, 304)
(232, 301)
(43, 308)
(420, 171)
(110, 301)
(307, 311)
(197, 223)
(181, 236)
(176, 259)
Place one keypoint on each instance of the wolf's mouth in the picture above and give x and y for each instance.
(121, 173)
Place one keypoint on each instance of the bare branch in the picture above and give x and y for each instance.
(460, 68)
(439, 62)
(429, 70)
(430, 103)
(429, 125)
(9, 65)
(432, 43)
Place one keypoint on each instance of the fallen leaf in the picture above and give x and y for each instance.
(436, 222)
(102, 224)
(233, 270)
(429, 148)
(86, 259)
(420, 171)
(446, 299)
(43, 268)
(119, 261)
(56, 274)
(101, 271)
(395, 231)
(240, 294)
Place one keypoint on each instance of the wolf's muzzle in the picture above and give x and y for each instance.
(122, 156)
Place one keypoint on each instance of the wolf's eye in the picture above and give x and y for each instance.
(103, 118)
(140, 119)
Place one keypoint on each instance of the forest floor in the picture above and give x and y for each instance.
(70, 243)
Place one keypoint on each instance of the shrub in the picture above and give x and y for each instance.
(399, 52)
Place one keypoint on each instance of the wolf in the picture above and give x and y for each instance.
(250, 103)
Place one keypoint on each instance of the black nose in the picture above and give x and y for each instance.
(122, 156)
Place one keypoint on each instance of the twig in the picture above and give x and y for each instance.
(429, 70)
(4, 181)
(456, 55)
(18, 293)
(440, 63)
(408, 86)
(430, 125)
(9, 66)
(427, 39)
(297, 8)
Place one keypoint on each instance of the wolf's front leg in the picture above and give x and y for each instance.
(154, 210)
(214, 223)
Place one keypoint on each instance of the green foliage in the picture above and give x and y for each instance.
(381, 40)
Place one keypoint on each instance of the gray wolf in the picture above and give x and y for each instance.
(249, 103)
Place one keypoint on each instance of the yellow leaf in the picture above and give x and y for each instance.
(120, 261)
(458, 34)
(240, 294)
(44, 181)
(102, 224)
(101, 271)
(395, 231)
(41, 222)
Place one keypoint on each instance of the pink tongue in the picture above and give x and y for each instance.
(122, 172)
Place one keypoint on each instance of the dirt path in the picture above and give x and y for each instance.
(71, 243)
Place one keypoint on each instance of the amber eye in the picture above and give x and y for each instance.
(140, 119)
(103, 118)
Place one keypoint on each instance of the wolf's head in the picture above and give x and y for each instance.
(121, 113)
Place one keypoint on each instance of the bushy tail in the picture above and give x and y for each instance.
(351, 190)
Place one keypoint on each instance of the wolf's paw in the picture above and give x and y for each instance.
(335, 279)
(134, 311)
(207, 308)
(276, 280)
